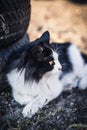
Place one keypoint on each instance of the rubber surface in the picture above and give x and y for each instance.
(14, 21)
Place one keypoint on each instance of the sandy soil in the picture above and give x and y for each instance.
(64, 20)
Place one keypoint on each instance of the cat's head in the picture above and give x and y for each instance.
(39, 59)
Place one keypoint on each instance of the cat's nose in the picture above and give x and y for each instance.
(60, 68)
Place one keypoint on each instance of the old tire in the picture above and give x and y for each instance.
(14, 21)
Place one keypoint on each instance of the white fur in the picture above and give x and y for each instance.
(79, 70)
(76, 59)
(35, 95)
(83, 81)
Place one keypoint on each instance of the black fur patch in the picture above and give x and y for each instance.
(84, 57)
(33, 57)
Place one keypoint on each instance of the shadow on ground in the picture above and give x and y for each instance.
(67, 112)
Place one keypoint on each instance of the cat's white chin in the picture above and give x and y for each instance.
(57, 66)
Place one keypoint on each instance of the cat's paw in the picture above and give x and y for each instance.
(31, 108)
(29, 111)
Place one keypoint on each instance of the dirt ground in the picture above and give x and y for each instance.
(66, 21)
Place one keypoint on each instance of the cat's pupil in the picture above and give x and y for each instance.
(51, 62)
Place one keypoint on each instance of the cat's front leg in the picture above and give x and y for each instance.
(20, 97)
(31, 108)
(52, 89)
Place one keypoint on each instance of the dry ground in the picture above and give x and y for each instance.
(64, 20)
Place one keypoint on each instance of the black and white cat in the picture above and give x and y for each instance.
(74, 65)
(32, 72)
(38, 72)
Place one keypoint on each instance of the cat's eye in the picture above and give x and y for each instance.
(51, 62)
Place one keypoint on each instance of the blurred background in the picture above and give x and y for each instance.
(66, 20)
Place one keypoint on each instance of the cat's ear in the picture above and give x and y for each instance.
(45, 37)
(38, 46)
